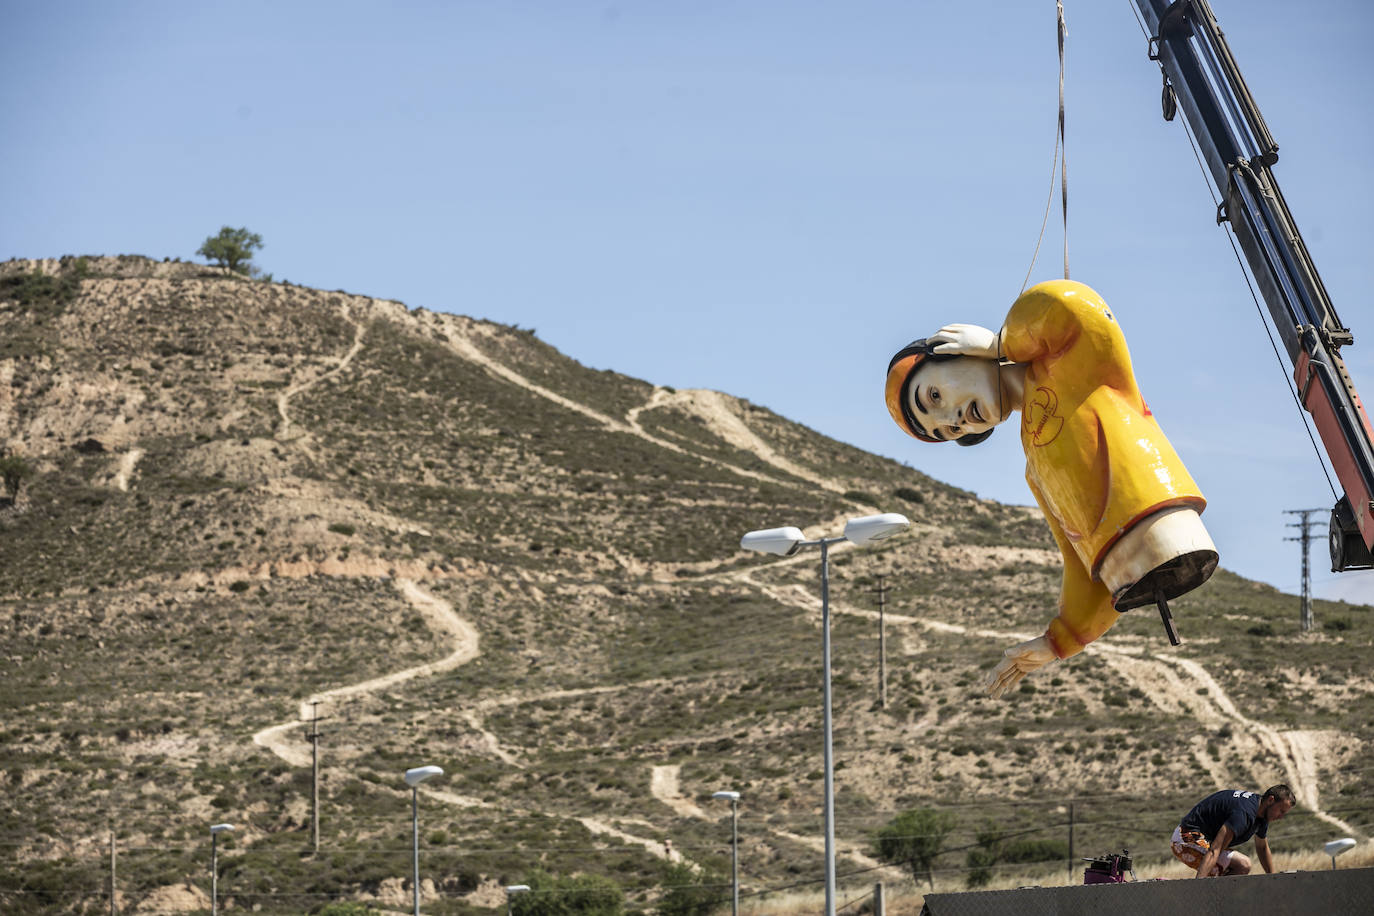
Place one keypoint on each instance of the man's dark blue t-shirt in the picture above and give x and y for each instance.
(1235, 808)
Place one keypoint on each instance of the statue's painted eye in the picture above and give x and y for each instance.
(934, 394)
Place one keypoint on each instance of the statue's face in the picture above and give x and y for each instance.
(953, 398)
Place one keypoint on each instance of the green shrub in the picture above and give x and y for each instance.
(39, 289)
(981, 859)
(980, 862)
(14, 470)
(914, 838)
(568, 895)
(910, 495)
(687, 892)
(1035, 851)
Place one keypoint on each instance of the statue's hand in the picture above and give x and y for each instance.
(1019, 661)
(966, 340)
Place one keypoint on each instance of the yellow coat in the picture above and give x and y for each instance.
(1096, 460)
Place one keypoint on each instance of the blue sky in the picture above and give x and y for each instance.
(765, 198)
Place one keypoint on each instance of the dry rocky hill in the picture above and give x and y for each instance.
(250, 503)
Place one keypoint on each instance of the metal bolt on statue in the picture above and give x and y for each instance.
(1121, 505)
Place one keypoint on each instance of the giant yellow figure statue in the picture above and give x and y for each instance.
(1120, 503)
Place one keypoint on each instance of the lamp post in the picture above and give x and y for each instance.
(413, 779)
(785, 542)
(1336, 847)
(733, 799)
(215, 831)
(511, 891)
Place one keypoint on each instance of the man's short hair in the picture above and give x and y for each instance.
(1281, 793)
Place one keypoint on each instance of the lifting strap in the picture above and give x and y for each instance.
(1064, 157)
(1060, 162)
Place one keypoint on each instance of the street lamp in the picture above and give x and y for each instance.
(413, 779)
(215, 831)
(733, 799)
(512, 890)
(785, 542)
(1336, 847)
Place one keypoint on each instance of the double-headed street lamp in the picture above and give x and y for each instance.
(413, 779)
(215, 831)
(733, 799)
(785, 542)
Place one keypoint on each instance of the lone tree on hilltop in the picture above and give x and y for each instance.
(232, 248)
(14, 471)
(915, 839)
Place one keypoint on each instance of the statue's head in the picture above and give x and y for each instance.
(943, 397)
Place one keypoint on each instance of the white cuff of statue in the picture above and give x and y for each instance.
(1154, 542)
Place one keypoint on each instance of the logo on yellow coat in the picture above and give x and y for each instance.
(1042, 420)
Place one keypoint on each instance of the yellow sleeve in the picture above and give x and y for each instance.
(1085, 605)
(1039, 324)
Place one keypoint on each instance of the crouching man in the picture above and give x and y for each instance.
(1204, 839)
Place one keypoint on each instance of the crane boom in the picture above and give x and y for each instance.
(1239, 153)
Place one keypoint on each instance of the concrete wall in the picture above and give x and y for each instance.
(1345, 892)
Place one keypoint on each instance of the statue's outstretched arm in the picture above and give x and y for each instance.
(1017, 662)
(1085, 613)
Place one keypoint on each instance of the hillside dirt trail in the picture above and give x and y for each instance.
(850, 851)
(713, 410)
(284, 431)
(442, 620)
(653, 847)
(1170, 683)
(284, 740)
(665, 785)
(125, 468)
(709, 405)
